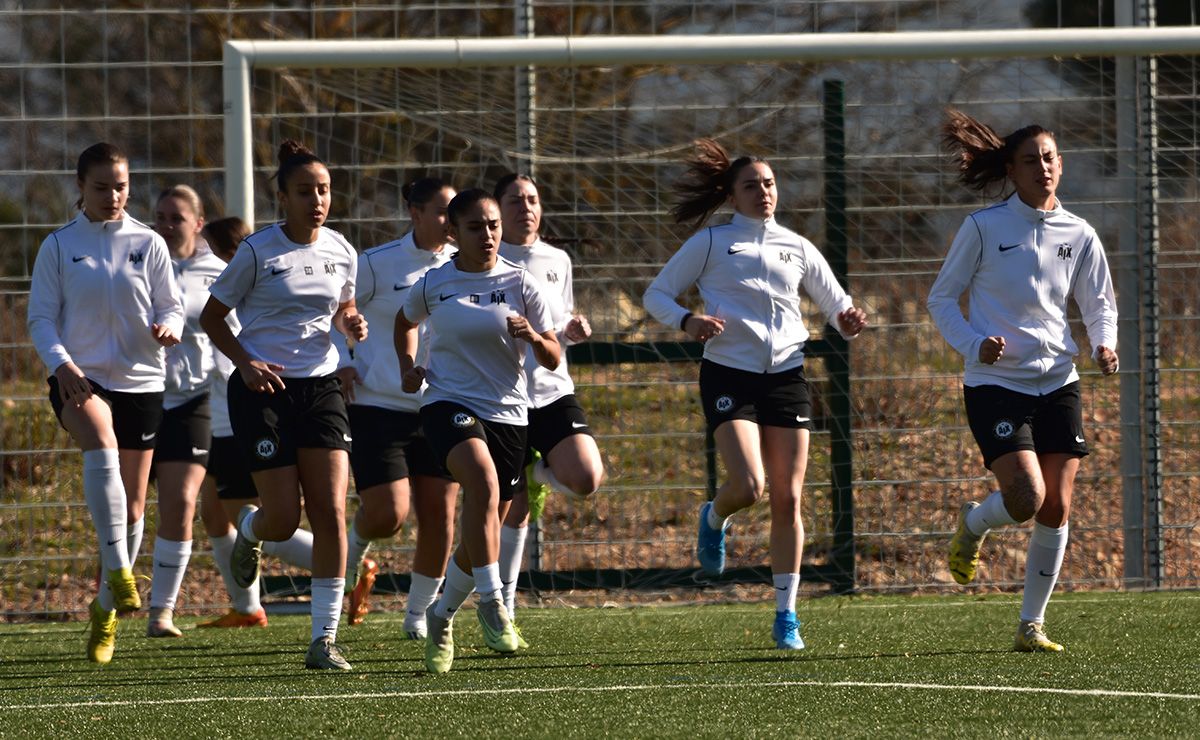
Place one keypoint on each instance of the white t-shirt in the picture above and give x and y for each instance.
(386, 274)
(223, 369)
(472, 358)
(552, 268)
(1018, 266)
(286, 295)
(750, 273)
(97, 287)
(190, 363)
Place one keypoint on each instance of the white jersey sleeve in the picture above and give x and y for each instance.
(952, 281)
(164, 292)
(416, 307)
(238, 278)
(45, 304)
(1093, 292)
(537, 310)
(681, 272)
(822, 286)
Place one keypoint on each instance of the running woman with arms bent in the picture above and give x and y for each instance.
(750, 272)
(1019, 262)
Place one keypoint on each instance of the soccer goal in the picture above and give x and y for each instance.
(603, 123)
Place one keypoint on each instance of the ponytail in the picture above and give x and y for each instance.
(707, 183)
(981, 155)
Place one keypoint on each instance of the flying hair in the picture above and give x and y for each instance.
(707, 183)
(981, 155)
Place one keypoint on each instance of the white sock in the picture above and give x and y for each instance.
(105, 497)
(247, 527)
(421, 593)
(786, 587)
(1047, 546)
(133, 542)
(543, 474)
(327, 596)
(458, 586)
(512, 550)
(295, 550)
(487, 581)
(243, 600)
(715, 521)
(170, 565)
(356, 550)
(989, 515)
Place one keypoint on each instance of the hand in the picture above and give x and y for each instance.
(73, 386)
(577, 329)
(702, 327)
(852, 321)
(355, 326)
(519, 328)
(348, 377)
(991, 350)
(163, 335)
(1107, 360)
(261, 377)
(413, 379)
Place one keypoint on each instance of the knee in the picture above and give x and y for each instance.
(1023, 496)
(746, 490)
(276, 526)
(380, 520)
(584, 480)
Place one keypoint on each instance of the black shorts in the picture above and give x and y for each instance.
(227, 465)
(270, 427)
(769, 399)
(389, 446)
(1005, 421)
(448, 424)
(555, 422)
(135, 416)
(185, 433)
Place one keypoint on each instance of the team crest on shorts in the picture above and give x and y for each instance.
(463, 420)
(1003, 429)
(265, 448)
(724, 404)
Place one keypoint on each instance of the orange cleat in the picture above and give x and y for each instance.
(234, 618)
(362, 590)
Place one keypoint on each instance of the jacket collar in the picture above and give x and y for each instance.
(1031, 214)
(756, 224)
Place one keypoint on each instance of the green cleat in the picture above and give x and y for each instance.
(498, 632)
(124, 590)
(323, 654)
(1031, 638)
(536, 490)
(964, 548)
(103, 638)
(439, 643)
(244, 559)
(521, 643)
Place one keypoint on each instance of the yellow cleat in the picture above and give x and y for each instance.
(439, 642)
(1031, 638)
(103, 638)
(124, 590)
(964, 548)
(522, 644)
(498, 632)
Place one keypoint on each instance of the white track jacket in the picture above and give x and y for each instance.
(750, 273)
(1018, 266)
(97, 287)
(191, 362)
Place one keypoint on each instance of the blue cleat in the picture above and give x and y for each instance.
(786, 631)
(710, 545)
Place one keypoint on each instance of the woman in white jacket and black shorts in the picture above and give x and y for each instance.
(394, 469)
(291, 282)
(102, 305)
(481, 311)
(750, 272)
(1019, 262)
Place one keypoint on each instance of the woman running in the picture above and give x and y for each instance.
(474, 411)
(1019, 262)
(290, 283)
(392, 463)
(750, 273)
(561, 443)
(229, 484)
(102, 305)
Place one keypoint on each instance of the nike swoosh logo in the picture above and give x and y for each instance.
(515, 481)
(150, 436)
(1047, 575)
(113, 542)
(197, 452)
(577, 425)
(164, 565)
(781, 588)
(78, 259)
(347, 437)
(1078, 439)
(735, 251)
(1005, 249)
(446, 296)
(276, 271)
(802, 419)
(403, 287)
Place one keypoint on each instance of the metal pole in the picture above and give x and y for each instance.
(239, 161)
(841, 453)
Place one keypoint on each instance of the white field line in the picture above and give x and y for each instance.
(1107, 693)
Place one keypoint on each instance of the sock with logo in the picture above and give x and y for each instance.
(991, 513)
(170, 565)
(133, 542)
(1047, 546)
(326, 605)
(786, 587)
(512, 550)
(421, 593)
(105, 497)
(459, 585)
